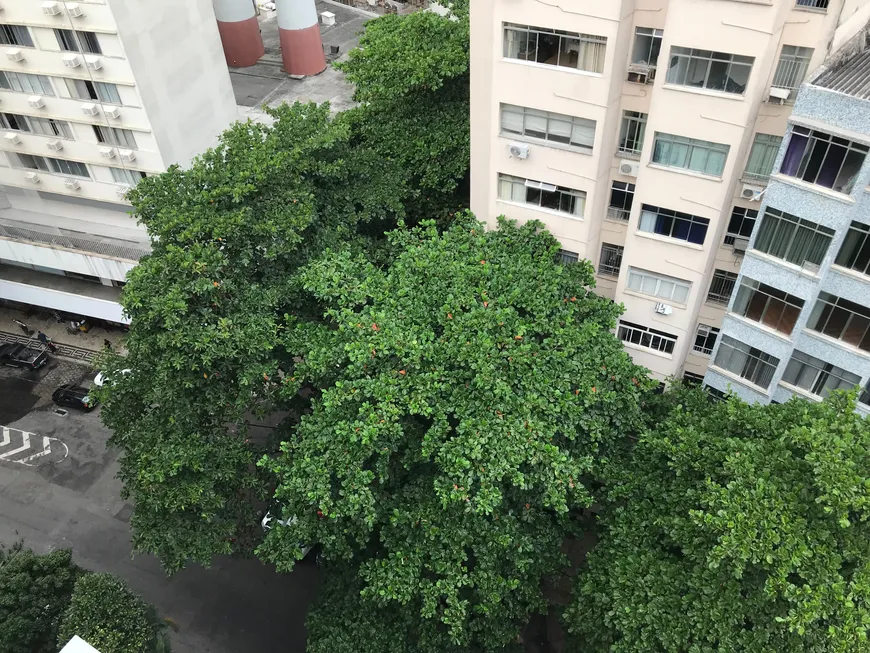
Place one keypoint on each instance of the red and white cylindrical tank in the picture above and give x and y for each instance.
(240, 32)
(301, 46)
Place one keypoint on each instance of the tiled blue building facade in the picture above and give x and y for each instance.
(795, 323)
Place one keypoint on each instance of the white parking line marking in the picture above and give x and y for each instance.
(6, 438)
(37, 447)
(25, 437)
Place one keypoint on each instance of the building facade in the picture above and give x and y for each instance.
(643, 133)
(94, 96)
(799, 320)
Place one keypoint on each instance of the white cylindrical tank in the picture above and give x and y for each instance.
(301, 45)
(240, 32)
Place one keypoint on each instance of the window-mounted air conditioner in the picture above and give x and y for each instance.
(751, 191)
(75, 10)
(113, 112)
(55, 146)
(127, 155)
(72, 184)
(94, 63)
(519, 150)
(36, 101)
(14, 54)
(90, 109)
(629, 168)
(72, 61)
(51, 8)
(32, 177)
(740, 245)
(107, 152)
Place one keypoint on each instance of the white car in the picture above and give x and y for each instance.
(100, 378)
(266, 523)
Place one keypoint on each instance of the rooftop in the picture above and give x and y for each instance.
(852, 78)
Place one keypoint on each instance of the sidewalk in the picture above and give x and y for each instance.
(79, 346)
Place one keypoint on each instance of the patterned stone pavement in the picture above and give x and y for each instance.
(66, 351)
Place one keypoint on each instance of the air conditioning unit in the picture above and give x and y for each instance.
(750, 191)
(121, 190)
(32, 177)
(14, 54)
(90, 109)
(663, 309)
(72, 184)
(127, 155)
(639, 73)
(94, 63)
(740, 245)
(72, 61)
(113, 112)
(519, 150)
(778, 95)
(107, 152)
(36, 102)
(51, 8)
(55, 146)
(74, 9)
(12, 138)
(629, 168)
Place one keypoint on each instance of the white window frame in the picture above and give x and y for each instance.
(36, 84)
(646, 338)
(519, 187)
(17, 35)
(104, 92)
(658, 285)
(591, 50)
(548, 127)
(610, 260)
(706, 60)
(126, 175)
(632, 131)
(651, 215)
(752, 364)
(704, 333)
(667, 149)
(115, 136)
(792, 67)
(50, 164)
(651, 55)
(762, 156)
(814, 375)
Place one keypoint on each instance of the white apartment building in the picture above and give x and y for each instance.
(642, 133)
(95, 96)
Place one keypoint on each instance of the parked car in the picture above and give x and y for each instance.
(101, 378)
(22, 356)
(72, 396)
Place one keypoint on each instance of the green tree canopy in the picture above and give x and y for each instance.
(735, 528)
(229, 235)
(411, 77)
(105, 613)
(34, 592)
(467, 393)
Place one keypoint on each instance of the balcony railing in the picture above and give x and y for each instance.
(614, 213)
(102, 247)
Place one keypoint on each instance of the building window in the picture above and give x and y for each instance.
(741, 224)
(78, 41)
(816, 376)
(705, 339)
(715, 71)
(50, 164)
(645, 337)
(855, 252)
(24, 83)
(554, 47)
(115, 136)
(565, 257)
(821, 159)
(690, 154)
(762, 156)
(126, 176)
(647, 45)
(548, 126)
(693, 379)
(816, 4)
(15, 35)
(44, 126)
(84, 89)
(721, 287)
(841, 319)
(791, 70)
(658, 285)
(792, 239)
(673, 224)
(632, 131)
(546, 196)
(621, 197)
(766, 305)
(611, 260)
(746, 362)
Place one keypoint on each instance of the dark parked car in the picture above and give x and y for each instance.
(22, 356)
(73, 396)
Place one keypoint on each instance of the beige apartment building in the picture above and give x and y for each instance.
(643, 133)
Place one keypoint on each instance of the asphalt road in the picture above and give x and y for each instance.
(58, 490)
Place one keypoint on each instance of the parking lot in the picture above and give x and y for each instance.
(58, 490)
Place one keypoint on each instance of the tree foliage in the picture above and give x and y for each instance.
(468, 392)
(207, 306)
(110, 617)
(735, 528)
(34, 592)
(411, 77)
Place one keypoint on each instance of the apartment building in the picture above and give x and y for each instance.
(643, 133)
(799, 320)
(95, 96)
